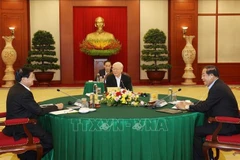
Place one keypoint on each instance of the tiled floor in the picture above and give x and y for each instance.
(44, 93)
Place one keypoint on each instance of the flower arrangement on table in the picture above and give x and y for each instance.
(100, 47)
(123, 96)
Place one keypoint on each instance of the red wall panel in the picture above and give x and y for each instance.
(67, 37)
(83, 23)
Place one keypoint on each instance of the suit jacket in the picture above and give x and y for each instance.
(21, 104)
(125, 81)
(102, 72)
(220, 102)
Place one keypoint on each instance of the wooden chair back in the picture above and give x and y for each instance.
(9, 145)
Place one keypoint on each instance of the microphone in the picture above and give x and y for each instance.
(123, 84)
(162, 102)
(171, 94)
(201, 99)
(70, 102)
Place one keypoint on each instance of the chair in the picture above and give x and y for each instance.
(8, 144)
(221, 142)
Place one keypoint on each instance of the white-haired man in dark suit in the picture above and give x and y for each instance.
(118, 78)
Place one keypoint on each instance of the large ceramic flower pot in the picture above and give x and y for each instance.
(155, 76)
(188, 55)
(44, 78)
(9, 56)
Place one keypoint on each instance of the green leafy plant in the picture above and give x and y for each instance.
(155, 51)
(42, 56)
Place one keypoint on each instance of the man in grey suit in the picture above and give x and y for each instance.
(220, 102)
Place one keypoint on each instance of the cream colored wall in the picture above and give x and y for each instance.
(206, 46)
(153, 14)
(229, 39)
(44, 15)
(228, 32)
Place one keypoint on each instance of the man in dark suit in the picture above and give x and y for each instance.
(21, 104)
(220, 102)
(106, 70)
(117, 78)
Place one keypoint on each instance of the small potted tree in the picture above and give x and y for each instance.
(42, 57)
(155, 54)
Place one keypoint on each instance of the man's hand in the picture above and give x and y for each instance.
(183, 104)
(59, 105)
(180, 105)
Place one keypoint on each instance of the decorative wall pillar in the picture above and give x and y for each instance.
(188, 55)
(9, 56)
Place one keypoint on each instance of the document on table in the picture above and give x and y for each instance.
(89, 94)
(168, 110)
(65, 111)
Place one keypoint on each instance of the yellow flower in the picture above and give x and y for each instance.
(123, 96)
(108, 97)
(123, 100)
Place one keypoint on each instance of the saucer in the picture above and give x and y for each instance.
(83, 110)
(92, 109)
(86, 110)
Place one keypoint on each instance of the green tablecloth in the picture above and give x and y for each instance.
(88, 87)
(121, 133)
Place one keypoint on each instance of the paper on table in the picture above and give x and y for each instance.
(174, 107)
(88, 94)
(160, 103)
(45, 105)
(73, 107)
(65, 111)
(174, 102)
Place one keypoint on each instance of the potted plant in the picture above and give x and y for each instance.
(42, 57)
(155, 53)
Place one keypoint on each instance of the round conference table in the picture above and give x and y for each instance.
(121, 133)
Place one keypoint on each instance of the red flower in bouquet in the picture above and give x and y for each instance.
(124, 97)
